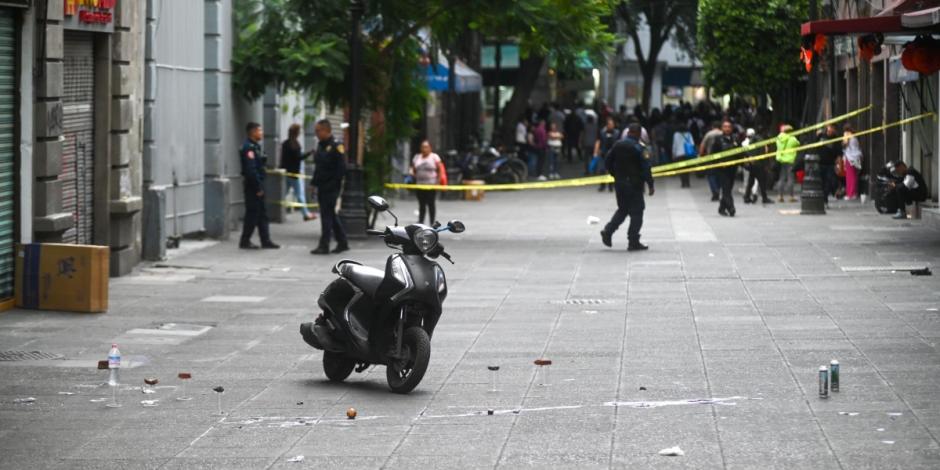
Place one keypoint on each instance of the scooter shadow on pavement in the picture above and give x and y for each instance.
(366, 384)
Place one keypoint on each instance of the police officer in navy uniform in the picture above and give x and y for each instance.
(330, 161)
(609, 136)
(253, 172)
(627, 163)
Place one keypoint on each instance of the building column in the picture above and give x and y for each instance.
(153, 225)
(49, 221)
(217, 185)
(126, 139)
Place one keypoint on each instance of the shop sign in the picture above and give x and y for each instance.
(89, 15)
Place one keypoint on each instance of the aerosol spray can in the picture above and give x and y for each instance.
(834, 375)
(823, 382)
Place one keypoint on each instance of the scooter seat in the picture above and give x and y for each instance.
(365, 278)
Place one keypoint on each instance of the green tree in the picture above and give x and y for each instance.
(303, 45)
(750, 47)
(665, 20)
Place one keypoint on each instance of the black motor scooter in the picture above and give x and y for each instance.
(371, 316)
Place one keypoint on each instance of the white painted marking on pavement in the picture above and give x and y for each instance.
(234, 298)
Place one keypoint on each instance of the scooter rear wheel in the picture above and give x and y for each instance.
(337, 366)
(405, 374)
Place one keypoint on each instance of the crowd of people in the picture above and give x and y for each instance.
(549, 134)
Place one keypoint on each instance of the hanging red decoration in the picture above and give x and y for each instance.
(806, 56)
(819, 44)
(869, 46)
(922, 55)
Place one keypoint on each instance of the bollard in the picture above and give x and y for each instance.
(813, 196)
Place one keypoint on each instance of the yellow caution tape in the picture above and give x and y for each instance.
(295, 204)
(566, 183)
(727, 153)
(287, 174)
(593, 180)
(796, 149)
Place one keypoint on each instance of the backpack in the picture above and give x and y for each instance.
(689, 146)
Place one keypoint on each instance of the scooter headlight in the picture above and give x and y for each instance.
(425, 239)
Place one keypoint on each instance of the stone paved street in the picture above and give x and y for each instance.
(710, 341)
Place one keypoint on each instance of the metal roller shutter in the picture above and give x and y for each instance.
(78, 129)
(7, 152)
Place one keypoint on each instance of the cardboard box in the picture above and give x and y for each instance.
(52, 276)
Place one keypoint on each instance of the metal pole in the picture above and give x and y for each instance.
(353, 209)
(499, 66)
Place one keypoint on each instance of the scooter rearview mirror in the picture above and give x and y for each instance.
(456, 226)
(378, 203)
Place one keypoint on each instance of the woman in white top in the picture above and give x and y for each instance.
(682, 145)
(427, 168)
(852, 153)
(555, 138)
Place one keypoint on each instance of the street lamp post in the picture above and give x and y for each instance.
(353, 210)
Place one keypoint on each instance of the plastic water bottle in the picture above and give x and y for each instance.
(114, 364)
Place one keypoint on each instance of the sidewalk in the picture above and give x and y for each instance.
(710, 341)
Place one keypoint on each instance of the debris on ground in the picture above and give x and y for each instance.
(297, 459)
(66, 393)
(149, 402)
(24, 401)
(351, 413)
(592, 220)
(672, 452)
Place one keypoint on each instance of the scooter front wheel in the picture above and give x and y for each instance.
(406, 373)
(337, 366)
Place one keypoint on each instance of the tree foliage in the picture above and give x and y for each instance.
(303, 45)
(750, 46)
(666, 20)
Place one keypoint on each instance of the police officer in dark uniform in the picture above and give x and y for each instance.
(627, 163)
(330, 161)
(609, 136)
(726, 141)
(253, 172)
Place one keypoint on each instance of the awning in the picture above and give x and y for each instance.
(466, 80)
(896, 19)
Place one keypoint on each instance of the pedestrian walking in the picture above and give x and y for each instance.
(522, 139)
(683, 148)
(573, 126)
(292, 161)
(786, 157)
(828, 154)
(757, 170)
(540, 146)
(253, 173)
(555, 138)
(628, 165)
(852, 152)
(330, 161)
(726, 141)
(427, 168)
(590, 132)
(602, 145)
(704, 149)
